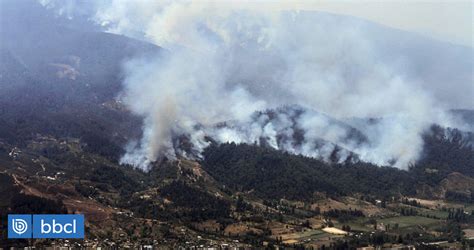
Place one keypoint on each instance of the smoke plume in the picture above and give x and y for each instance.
(316, 78)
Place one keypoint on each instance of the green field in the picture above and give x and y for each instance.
(438, 213)
(410, 221)
(313, 233)
(356, 225)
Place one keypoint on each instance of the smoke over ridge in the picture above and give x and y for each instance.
(224, 63)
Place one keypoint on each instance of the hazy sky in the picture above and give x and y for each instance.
(448, 20)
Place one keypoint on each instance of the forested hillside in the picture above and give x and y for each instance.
(275, 174)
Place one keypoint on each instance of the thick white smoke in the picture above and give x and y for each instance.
(226, 62)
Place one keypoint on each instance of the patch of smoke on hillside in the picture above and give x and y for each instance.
(228, 62)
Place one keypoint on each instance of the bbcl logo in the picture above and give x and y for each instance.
(59, 226)
(19, 226)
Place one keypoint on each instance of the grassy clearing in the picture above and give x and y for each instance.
(357, 225)
(311, 233)
(303, 235)
(437, 213)
(410, 221)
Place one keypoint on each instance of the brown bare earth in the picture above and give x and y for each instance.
(347, 203)
(458, 182)
(93, 211)
(469, 233)
(454, 182)
(241, 228)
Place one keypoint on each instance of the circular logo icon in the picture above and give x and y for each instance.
(19, 226)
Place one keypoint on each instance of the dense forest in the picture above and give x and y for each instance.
(275, 174)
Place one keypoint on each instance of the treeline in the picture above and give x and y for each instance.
(459, 196)
(115, 177)
(343, 215)
(411, 202)
(193, 204)
(276, 174)
(14, 202)
(408, 211)
(28, 204)
(445, 151)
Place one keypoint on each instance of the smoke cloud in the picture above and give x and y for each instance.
(317, 78)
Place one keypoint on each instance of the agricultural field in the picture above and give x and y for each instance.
(405, 222)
